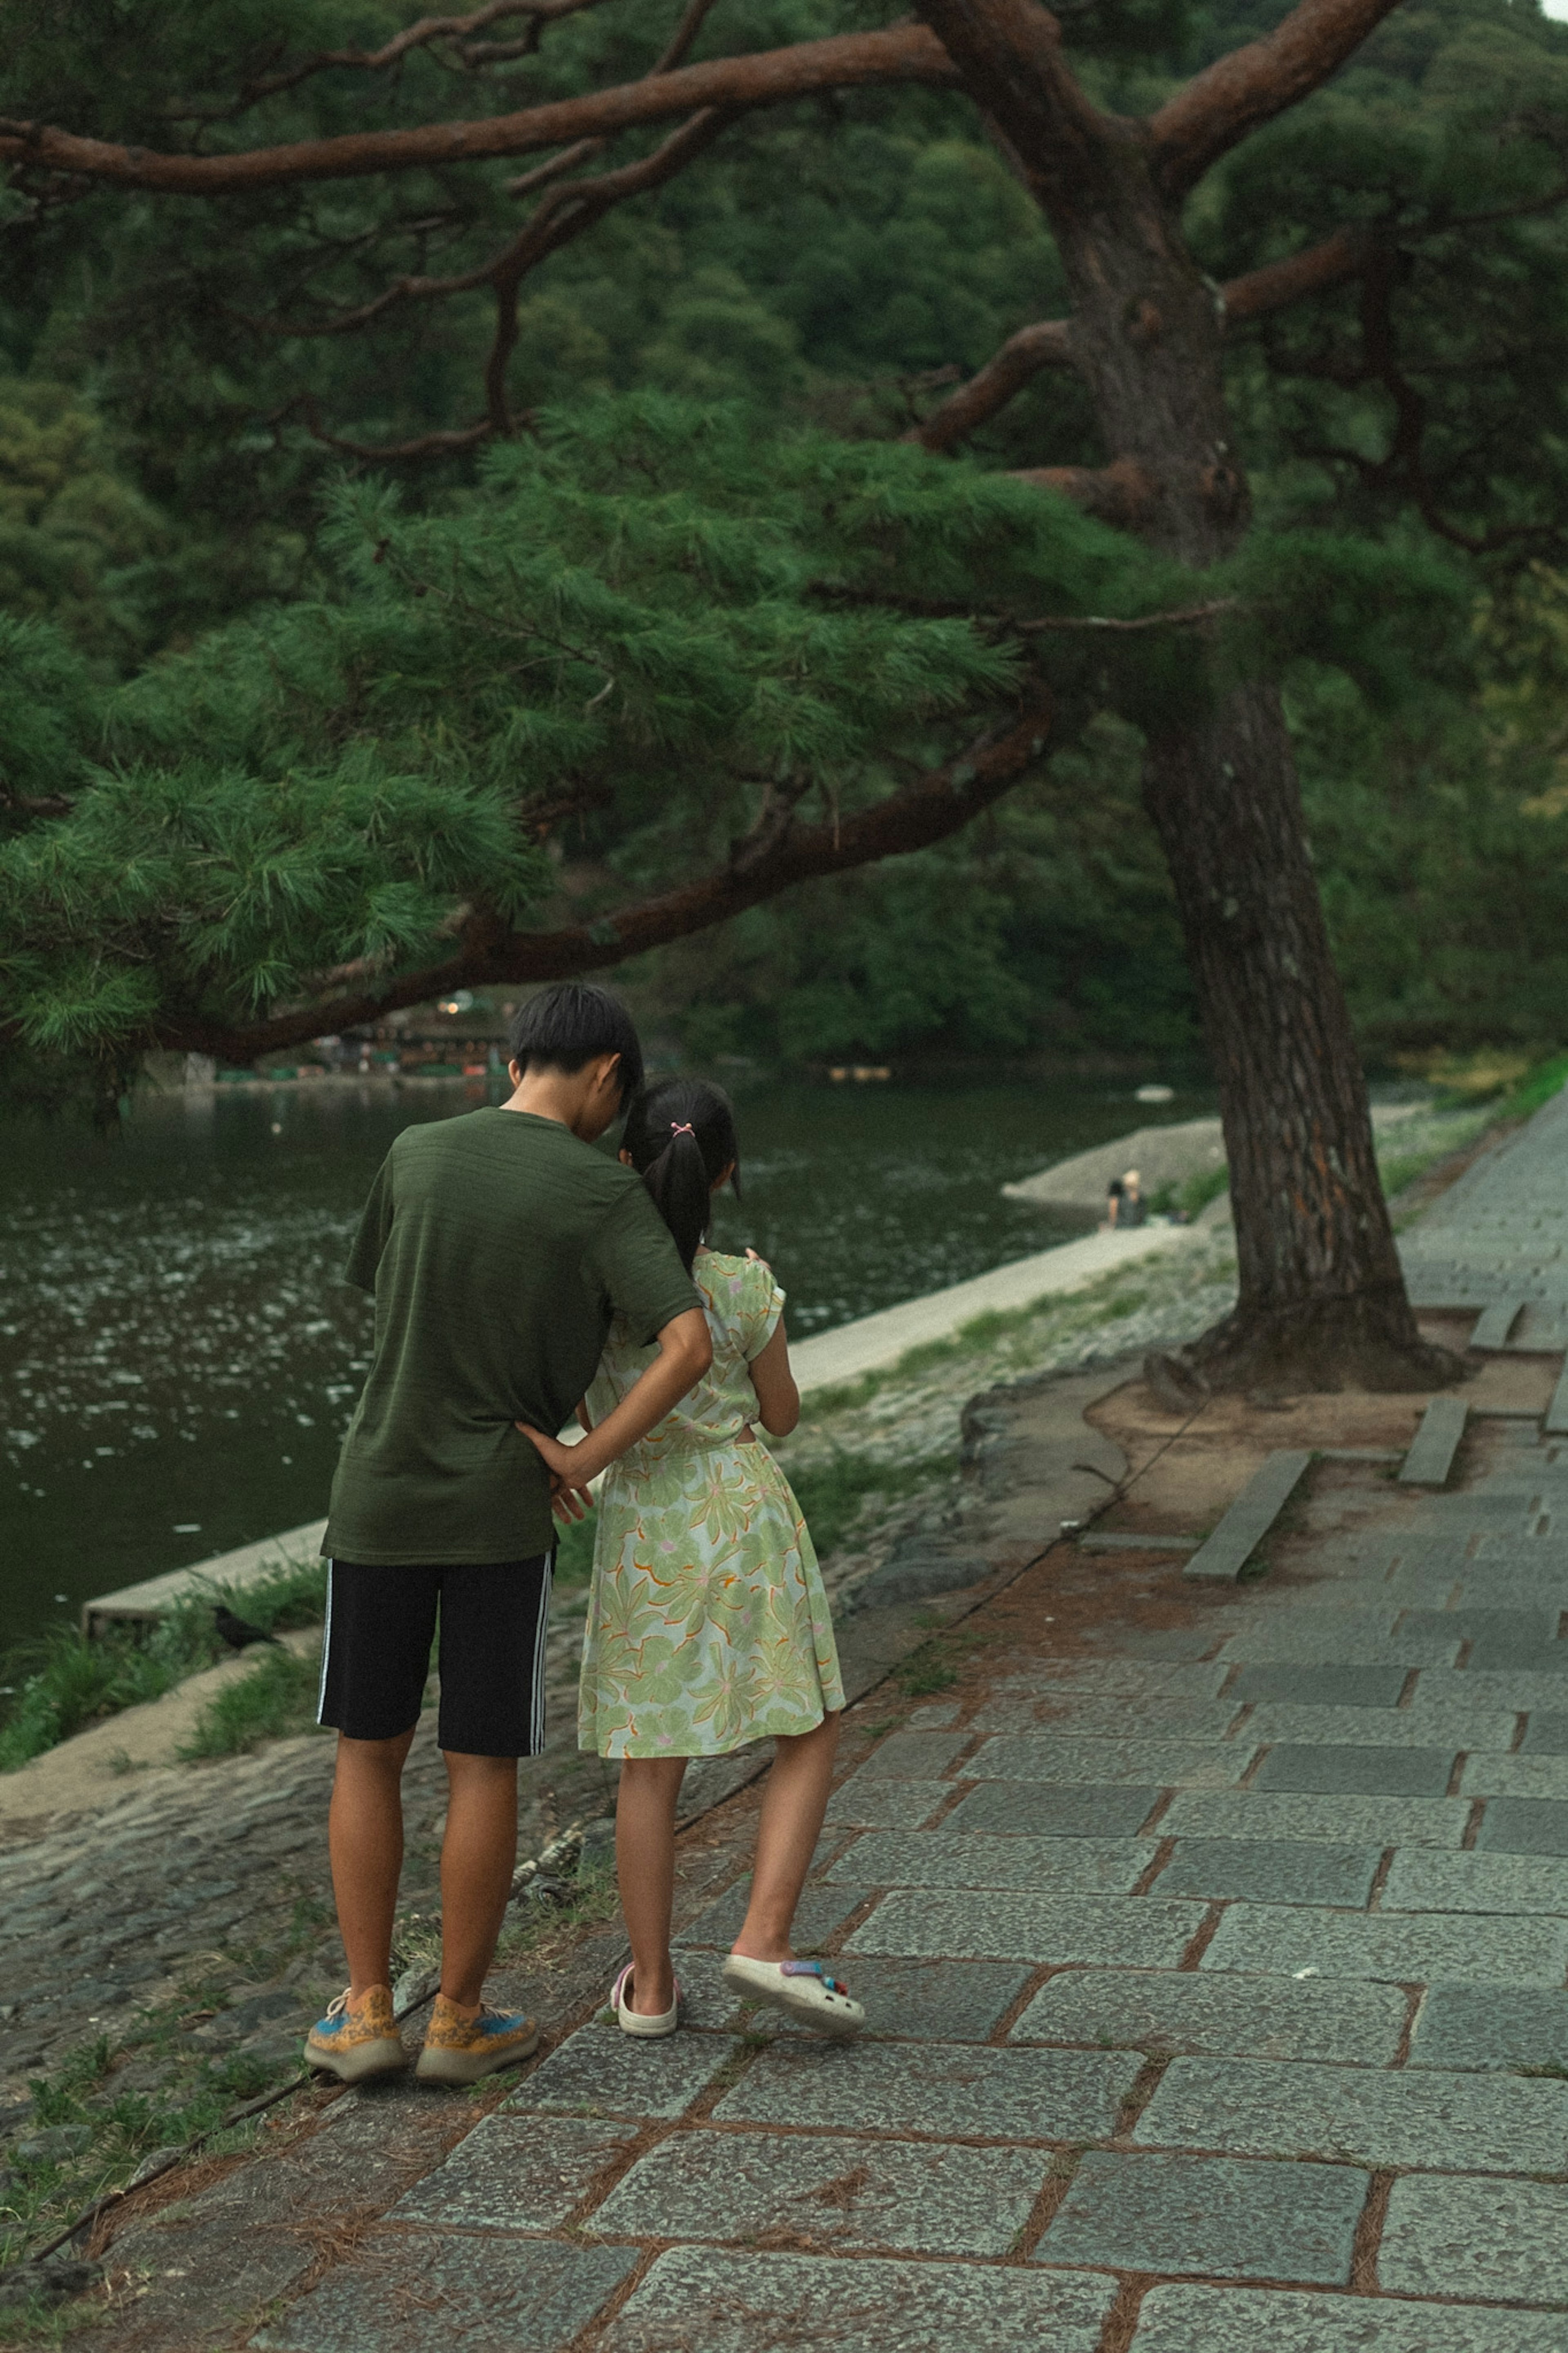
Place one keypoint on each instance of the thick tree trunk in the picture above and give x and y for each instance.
(1323, 1301)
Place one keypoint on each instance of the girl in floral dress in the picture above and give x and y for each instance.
(708, 1627)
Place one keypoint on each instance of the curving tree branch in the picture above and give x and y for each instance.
(772, 857)
(1213, 111)
(764, 77)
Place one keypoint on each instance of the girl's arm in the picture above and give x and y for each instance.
(685, 1352)
(778, 1400)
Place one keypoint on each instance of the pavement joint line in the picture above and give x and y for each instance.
(1380, 1879)
(1472, 1828)
(1415, 1998)
(1200, 1940)
(1152, 1869)
(1456, 1773)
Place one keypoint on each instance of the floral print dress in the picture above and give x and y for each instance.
(708, 1626)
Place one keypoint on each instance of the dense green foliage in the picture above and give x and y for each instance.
(321, 782)
(653, 615)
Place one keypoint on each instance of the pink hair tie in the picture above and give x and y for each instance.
(682, 1127)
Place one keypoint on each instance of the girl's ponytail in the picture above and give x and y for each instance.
(680, 1139)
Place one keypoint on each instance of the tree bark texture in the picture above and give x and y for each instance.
(1322, 1301)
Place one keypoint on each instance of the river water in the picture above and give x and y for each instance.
(178, 1354)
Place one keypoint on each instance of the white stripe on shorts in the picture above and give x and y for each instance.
(326, 1647)
(536, 1730)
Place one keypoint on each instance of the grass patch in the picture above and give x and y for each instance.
(1538, 1086)
(67, 1681)
(933, 1667)
(1200, 1190)
(836, 1495)
(276, 1698)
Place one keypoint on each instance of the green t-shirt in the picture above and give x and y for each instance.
(498, 1245)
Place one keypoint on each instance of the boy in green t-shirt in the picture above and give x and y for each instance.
(497, 1247)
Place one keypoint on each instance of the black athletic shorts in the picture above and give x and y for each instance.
(376, 1653)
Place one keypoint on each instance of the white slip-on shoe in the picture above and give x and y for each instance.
(634, 2021)
(804, 1989)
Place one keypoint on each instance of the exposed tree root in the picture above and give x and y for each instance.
(1365, 1341)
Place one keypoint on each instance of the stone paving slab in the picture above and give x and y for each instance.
(1138, 1931)
(867, 1801)
(1126, 1677)
(515, 2173)
(1330, 1686)
(1324, 1770)
(404, 2291)
(1342, 1821)
(1270, 1871)
(1522, 1692)
(1084, 1866)
(1515, 1777)
(1421, 1880)
(1273, 2320)
(728, 2303)
(1033, 1808)
(1353, 2024)
(1191, 1764)
(599, 2071)
(1505, 2240)
(1224, 2218)
(921, 2000)
(1281, 1642)
(1545, 1735)
(962, 2089)
(1090, 1717)
(915, 1756)
(1405, 1948)
(1419, 1726)
(823, 1912)
(1525, 1826)
(1499, 2026)
(827, 2192)
(1462, 2124)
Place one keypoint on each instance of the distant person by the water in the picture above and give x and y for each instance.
(498, 1245)
(1125, 1205)
(708, 1627)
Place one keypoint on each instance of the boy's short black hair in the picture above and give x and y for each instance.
(573, 1023)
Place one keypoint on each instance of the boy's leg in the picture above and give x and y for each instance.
(495, 1617)
(479, 1854)
(376, 1657)
(364, 1835)
(793, 1804)
(644, 1863)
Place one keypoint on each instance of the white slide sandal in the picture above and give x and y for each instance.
(803, 1988)
(635, 2021)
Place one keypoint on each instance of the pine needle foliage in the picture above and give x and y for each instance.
(638, 623)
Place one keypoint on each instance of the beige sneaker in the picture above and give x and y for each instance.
(460, 2049)
(357, 2039)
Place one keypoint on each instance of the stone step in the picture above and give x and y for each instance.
(1431, 1456)
(1250, 1517)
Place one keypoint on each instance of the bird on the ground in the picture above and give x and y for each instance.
(238, 1633)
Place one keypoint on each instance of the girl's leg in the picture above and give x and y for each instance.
(645, 1864)
(793, 1804)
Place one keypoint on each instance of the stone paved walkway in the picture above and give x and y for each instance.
(1218, 1974)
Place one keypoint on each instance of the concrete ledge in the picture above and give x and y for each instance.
(1432, 1450)
(1556, 1422)
(1250, 1517)
(249, 1564)
(878, 1341)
